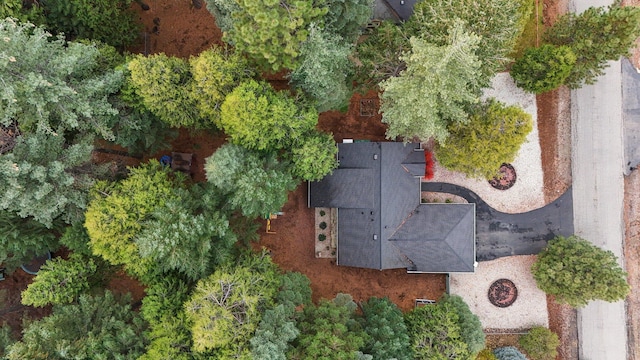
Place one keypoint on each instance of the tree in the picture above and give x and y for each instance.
(276, 329)
(508, 353)
(60, 281)
(226, 308)
(222, 11)
(469, 323)
(576, 272)
(295, 290)
(346, 18)
(117, 211)
(97, 327)
(110, 21)
(216, 72)
(595, 36)
(180, 236)
(164, 84)
(68, 94)
(271, 32)
(255, 185)
(434, 21)
(314, 157)
(22, 238)
(442, 79)
(540, 343)
(388, 336)
(45, 178)
(435, 333)
(329, 331)
(259, 118)
(544, 68)
(324, 70)
(492, 136)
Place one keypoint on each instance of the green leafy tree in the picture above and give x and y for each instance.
(595, 36)
(226, 308)
(276, 329)
(329, 331)
(45, 178)
(60, 281)
(347, 17)
(76, 239)
(540, 343)
(388, 336)
(508, 353)
(544, 68)
(442, 79)
(117, 211)
(492, 136)
(170, 340)
(66, 94)
(222, 11)
(324, 70)
(216, 72)
(378, 55)
(270, 32)
(98, 327)
(314, 157)
(110, 21)
(256, 185)
(576, 272)
(295, 290)
(498, 23)
(165, 83)
(22, 238)
(180, 236)
(257, 117)
(435, 333)
(469, 323)
(6, 339)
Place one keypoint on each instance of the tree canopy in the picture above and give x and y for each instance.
(576, 272)
(544, 68)
(388, 337)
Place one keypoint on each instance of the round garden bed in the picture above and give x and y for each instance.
(506, 179)
(503, 293)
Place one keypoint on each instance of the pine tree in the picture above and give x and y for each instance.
(388, 336)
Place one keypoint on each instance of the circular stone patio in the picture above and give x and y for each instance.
(530, 307)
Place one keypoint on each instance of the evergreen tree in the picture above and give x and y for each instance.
(388, 336)
(469, 323)
(576, 272)
(492, 136)
(314, 157)
(346, 18)
(544, 68)
(595, 36)
(276, 329)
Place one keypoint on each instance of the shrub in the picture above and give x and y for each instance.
(486, 354)
(540, 343)
(508, 353)
(544, 68)
(322, 237)
(323, 225)
(322, 213)
(470, 326)
(428, 167)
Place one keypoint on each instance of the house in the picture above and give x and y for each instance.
(381, 221)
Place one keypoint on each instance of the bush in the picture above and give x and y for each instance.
(486, 354)
(544, 68)
(540, 343)
(322, 237)
(322, 213)
(428, 167)
(508, 353)
(323, 225)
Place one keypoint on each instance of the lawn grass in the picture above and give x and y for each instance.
(532, 34)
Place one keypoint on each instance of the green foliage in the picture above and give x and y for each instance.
(69, 93)
(117, 211)
(498, 23)
(329, 331)
(295, 290)
(6, 339)
(222, 11)
(276, 329)
(595, 36)
(576, 272)
(76, 239)
(21, 239)
(226, 308)
(109, 21)
(324, 70)
(508, 353)
(346, 18)
(216, 72)
(255, 185)
(435, 333)
(259, 118)
(544, 68)
(45, 178)
(60, 281)
(388, 336)
(492, 136)
(540, 343)
(378, 56)
(442, 79)
(164, 299)
(314, 157)
(179, 236)
(486, 354)
(469, 323)
(270, 32)
(170, 340)
(164, 84)
(98, 327)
